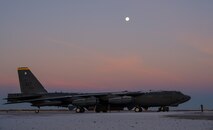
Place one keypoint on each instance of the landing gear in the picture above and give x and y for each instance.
(166, 109)
(145, 108)
(101, 108)
(163, 109)
(97, 110)
(80, 110)
(138, 109)
(37, 111)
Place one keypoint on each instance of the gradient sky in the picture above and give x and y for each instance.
(88, 46)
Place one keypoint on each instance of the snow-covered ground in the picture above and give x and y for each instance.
(99, 121)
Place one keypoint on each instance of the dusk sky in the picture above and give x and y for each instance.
(88, 46)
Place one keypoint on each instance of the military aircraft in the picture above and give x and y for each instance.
(32, 91)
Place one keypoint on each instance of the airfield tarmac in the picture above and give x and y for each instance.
(66, 120)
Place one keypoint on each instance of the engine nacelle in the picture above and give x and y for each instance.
(85, 101)
(121, 100)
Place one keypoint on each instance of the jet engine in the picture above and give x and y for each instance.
(85, 101)
(121, 100)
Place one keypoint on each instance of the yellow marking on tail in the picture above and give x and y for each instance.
(23, 68)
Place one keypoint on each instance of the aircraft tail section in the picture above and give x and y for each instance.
(29, 84)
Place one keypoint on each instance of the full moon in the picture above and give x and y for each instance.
(127, 19)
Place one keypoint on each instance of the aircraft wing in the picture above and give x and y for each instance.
(80, 95)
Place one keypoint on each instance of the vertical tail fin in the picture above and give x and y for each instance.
(29, 84)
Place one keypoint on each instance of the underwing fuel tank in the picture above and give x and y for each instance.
(85, 101)
(121, 100)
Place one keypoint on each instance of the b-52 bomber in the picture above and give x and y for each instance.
(32, 91)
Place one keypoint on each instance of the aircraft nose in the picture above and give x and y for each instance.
(187, 98)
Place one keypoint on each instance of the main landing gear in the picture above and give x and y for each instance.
(79, 110)
(163, 109)
(100, 108)
(138, 109)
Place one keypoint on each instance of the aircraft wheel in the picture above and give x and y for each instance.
(138, 109)
(165, 109)
(80, 110)
(36, 111)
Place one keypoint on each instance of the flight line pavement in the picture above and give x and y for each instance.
(127, 120)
